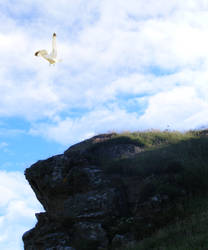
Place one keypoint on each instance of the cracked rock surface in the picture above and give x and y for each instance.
(87, 208)
(78, 198)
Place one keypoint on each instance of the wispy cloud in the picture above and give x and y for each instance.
(98, 121)
(3, 145)
(18, 205)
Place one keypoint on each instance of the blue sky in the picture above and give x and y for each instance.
(127, 65)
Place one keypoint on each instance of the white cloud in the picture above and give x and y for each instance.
(18, 206)
(104, 119)
(179, 108)
(103, 56)
(149, 49)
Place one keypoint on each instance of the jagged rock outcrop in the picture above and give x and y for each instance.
(87, 207)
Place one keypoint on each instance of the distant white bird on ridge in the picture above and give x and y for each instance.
(52, 57)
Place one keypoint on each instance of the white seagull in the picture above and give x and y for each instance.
(52, 57)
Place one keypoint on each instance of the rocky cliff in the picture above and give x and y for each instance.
(89, 205)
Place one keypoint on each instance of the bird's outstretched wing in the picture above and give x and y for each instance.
(54, 48)
(42, 53)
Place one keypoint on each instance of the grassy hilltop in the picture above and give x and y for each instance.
(171, 164)
(128, 191)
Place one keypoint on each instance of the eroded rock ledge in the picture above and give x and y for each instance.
(87, 207)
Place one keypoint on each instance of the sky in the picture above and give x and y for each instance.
(126, 66)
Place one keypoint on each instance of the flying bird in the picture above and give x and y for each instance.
(52, 57)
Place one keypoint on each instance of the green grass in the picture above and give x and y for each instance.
(190, 233)
(147, 141)
(173, 164)
(174, 158)
(182, 155)
(154, 138)
(170, 164)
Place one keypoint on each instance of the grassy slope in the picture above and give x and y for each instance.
(190, 233)
(182, 154)
(170, 163)
(188, 151)
(184, 157)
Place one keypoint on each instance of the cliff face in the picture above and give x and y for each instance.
(87, 207)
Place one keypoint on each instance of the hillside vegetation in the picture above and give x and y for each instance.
(128, 191)
(185, 155)
(169, 164)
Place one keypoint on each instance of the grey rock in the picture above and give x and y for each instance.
(87, 208)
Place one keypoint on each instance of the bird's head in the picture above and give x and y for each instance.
(54, 34)
(36, 53)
